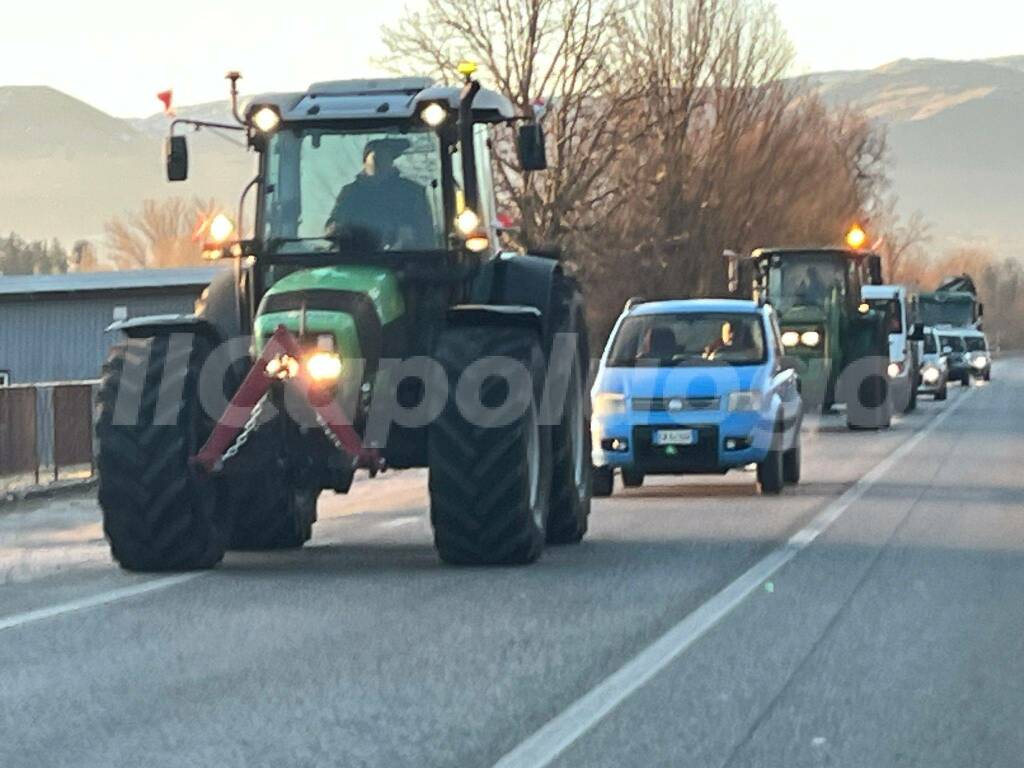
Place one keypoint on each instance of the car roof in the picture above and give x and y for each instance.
(696, 306)
(886, 291)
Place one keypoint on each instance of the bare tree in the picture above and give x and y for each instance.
(159, 235)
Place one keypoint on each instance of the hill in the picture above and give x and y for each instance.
(68, 167)
(956, 145)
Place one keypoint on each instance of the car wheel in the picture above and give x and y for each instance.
(632, 478)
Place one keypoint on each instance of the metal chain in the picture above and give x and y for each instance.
(251, 425)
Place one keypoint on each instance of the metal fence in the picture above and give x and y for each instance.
(46, 432)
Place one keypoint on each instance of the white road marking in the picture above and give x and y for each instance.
(558, 734)
(398, 522)
(104, 598)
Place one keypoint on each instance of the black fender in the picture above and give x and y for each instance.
(225, 304)
(161, 325)
(495, 314)
(515, 280)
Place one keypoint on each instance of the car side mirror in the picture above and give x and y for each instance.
(532, 155)
(917, 332)
(176, 155)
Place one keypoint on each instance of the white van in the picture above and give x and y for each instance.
(892, 302)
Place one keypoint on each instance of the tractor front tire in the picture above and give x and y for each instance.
(160, 513)
(490, 468)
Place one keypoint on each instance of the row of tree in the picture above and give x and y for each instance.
(673, 133)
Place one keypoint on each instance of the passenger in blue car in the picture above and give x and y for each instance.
(695, 387)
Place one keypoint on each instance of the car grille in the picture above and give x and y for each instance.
(661, 404)
(700, 457)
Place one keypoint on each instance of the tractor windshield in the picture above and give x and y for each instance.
(805, 280)
(947, 309)
(368, 190)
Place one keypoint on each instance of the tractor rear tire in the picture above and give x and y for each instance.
(570, 438)
(159, 512)
(489, 483)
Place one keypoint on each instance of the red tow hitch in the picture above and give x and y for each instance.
(330, 416)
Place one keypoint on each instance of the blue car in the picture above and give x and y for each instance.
(696, 387)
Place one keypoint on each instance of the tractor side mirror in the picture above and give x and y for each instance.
(176, 155)
(981, 309)
(532, 156)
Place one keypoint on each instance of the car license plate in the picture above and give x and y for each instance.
(675, 437)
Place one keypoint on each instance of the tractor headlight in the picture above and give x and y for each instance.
(745, 401)
(266, 119)
(930, 375)
(467, 221)
(434, 114)
(810, 338)
(609, 403)
(324, 366)
(791, 338)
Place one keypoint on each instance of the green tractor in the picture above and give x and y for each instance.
(954, 303)
(372, 321)
(838, 344)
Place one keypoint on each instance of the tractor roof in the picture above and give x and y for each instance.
(832, 250)
(384, 98)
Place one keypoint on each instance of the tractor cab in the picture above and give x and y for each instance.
(369, 297)
(825, 324)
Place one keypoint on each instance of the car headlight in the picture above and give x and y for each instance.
(810, 338)
(609, 403)
(979, 362)
(895, 369)
(744, 401)
(790, 338)
(930, 375)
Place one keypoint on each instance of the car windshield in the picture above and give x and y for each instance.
(953, 342)
(688, 338)
(805, 281)
(372, 190)
(975, 343)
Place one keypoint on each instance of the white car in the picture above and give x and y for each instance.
(978, 355)
(934, 376)
(891, 300)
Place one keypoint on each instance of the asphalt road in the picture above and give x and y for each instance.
(871, 617)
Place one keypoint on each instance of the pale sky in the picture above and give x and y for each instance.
(116, 54)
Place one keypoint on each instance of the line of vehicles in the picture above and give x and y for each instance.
(706, 386)
(375, 319)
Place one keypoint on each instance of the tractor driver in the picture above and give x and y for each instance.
(381, 210)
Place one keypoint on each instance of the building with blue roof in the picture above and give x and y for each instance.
(53, 327)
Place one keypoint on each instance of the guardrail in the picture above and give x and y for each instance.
(46, 432)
